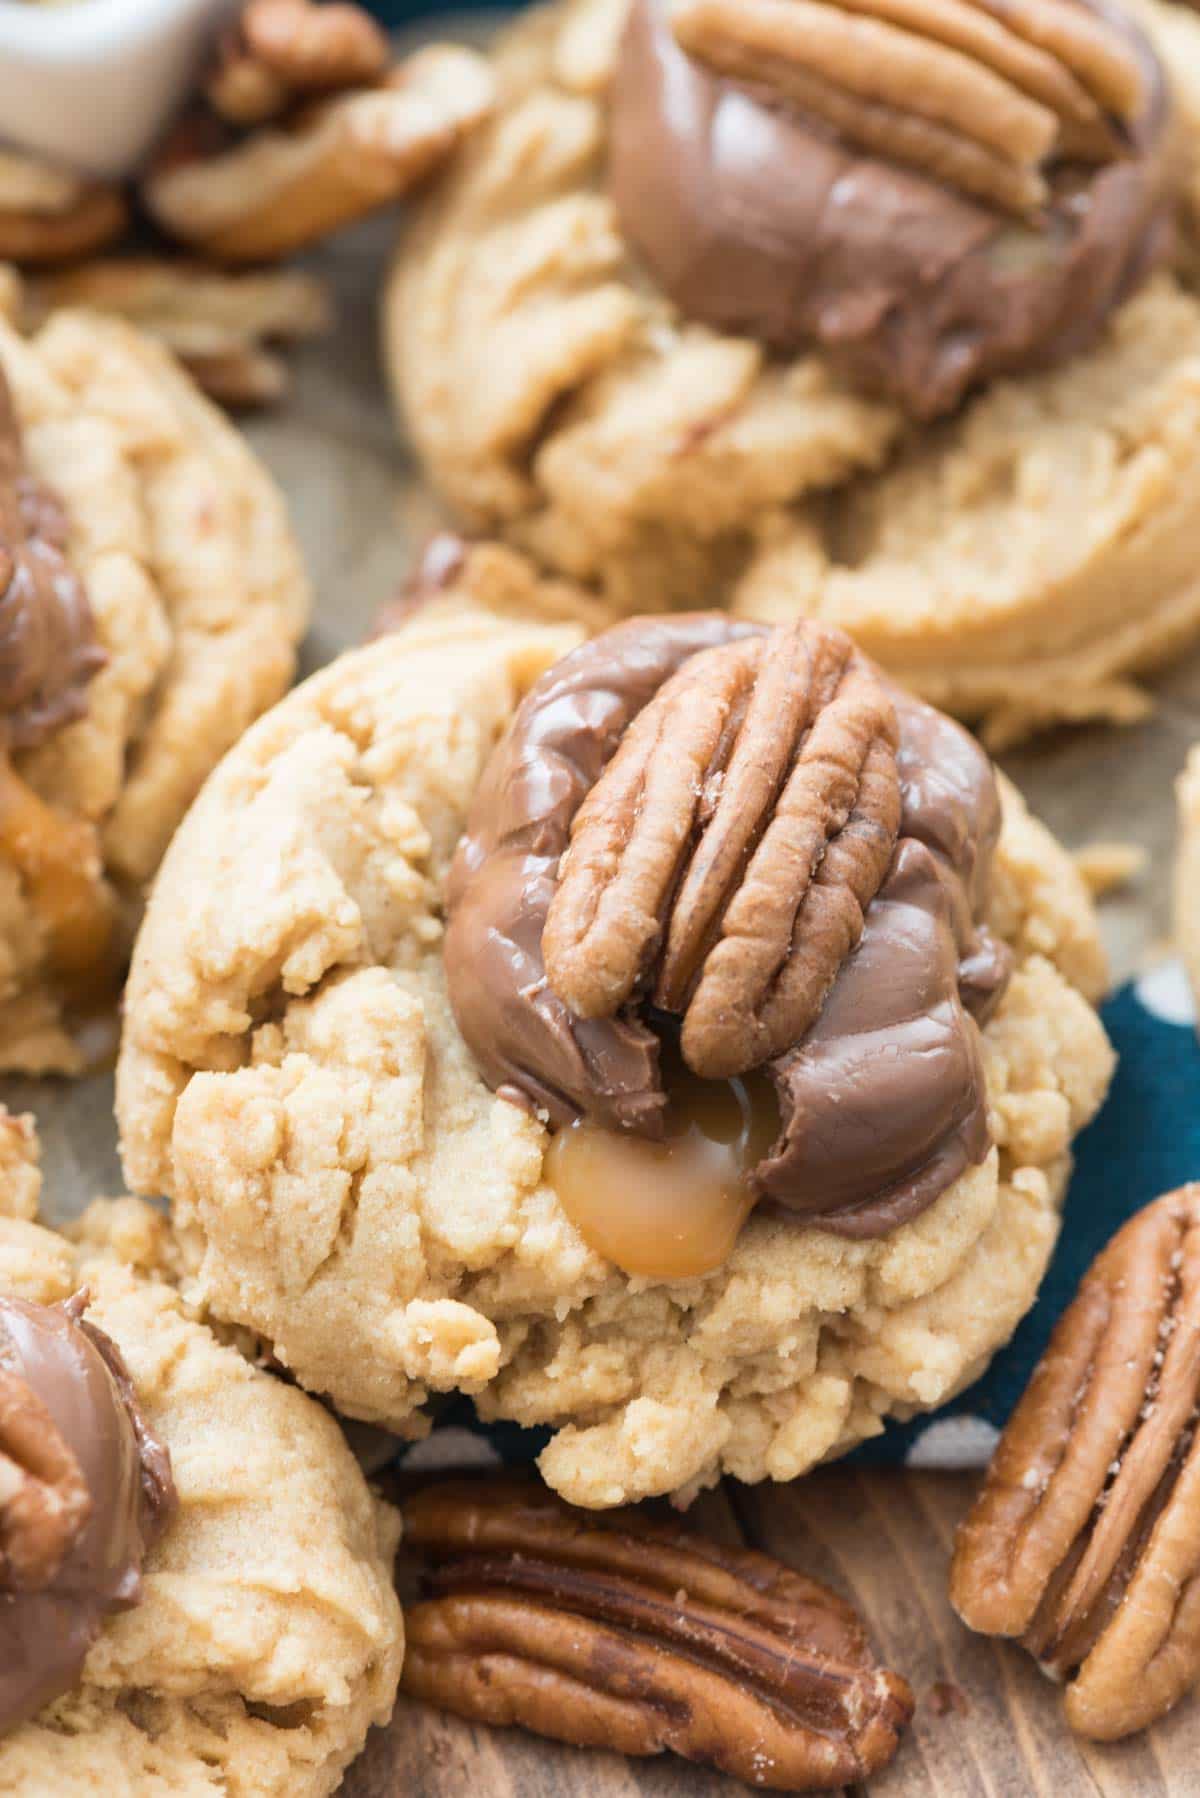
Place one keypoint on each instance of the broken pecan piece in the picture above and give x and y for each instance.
(44, 1500)
(642, 1636)
(317, 159)
(726, 856)
(979, 94)
(48, 215)
(1085, 1541)
(280, 48)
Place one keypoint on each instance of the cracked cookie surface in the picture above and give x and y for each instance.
(199, 599)
(346, 1185)
(664, 463)
(268, 1638)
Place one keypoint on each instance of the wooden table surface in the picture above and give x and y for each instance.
(987, 1725)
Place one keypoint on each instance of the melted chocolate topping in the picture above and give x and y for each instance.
(758, 221)
(883, 1104)
(48, 647)
(78, 1375)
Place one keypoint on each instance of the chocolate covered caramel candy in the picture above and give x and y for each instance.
(85, 1489)
(752, 849)
(933, 193)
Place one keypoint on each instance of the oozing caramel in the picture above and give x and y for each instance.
(58, 860)
(673, 1209)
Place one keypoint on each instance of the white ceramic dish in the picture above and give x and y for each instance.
(90, 85)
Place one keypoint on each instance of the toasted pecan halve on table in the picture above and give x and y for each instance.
(643, 1636)
(1085, 1540)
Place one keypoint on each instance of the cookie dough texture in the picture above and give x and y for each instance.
(346, 1186)
(1018, 565)
(268, 1640)
(199, 596)
(1187, 871)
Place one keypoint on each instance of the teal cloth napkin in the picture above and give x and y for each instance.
(1145, 1142)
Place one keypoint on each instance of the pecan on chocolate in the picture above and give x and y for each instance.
(641, 1636)
(1085, 1541)
(981, 97)
(44, 1500)
(724, 859)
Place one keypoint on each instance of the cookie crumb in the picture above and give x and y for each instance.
(1108, 867)
(946, 1699)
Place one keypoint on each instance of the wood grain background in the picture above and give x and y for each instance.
(988, 1725)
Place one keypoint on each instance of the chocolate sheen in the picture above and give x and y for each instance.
(883, 1103)
(437, 568)
(78, 1374)
(757, 221)
(48, 647)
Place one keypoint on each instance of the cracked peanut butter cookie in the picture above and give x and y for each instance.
(381, 1063)
(847, 307)
(195, 1581)
(151, 600)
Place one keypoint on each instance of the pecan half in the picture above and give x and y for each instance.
(1085, 1541)
(280, 48)
(980, 94)
(644, 1637)
(44, 1500)
(727, 854)
(48, 215)
(324, 163)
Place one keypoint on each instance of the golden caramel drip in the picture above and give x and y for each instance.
(58, 860)
(673, 1209)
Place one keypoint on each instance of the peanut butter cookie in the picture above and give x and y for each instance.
(195, 1581)
(369, 1049)
(151, 601)
(847, 315)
